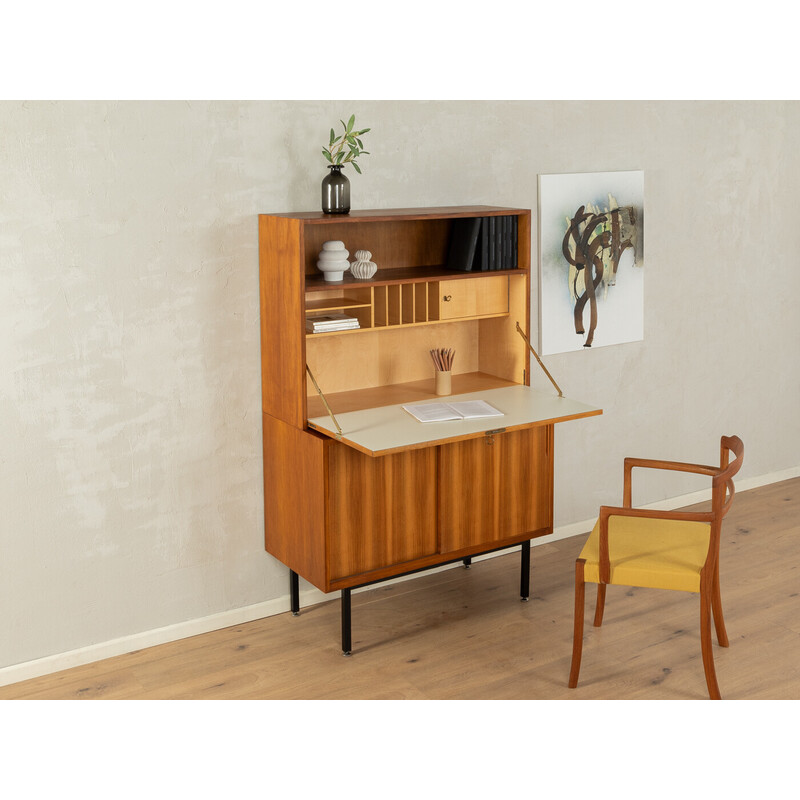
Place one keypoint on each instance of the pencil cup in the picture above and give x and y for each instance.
(442, 382)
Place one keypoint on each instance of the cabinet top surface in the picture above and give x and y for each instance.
(318, 217)
(378, 431)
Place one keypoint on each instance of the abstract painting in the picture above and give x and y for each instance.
(591, 259)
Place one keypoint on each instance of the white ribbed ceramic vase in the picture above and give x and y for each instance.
(362, 267)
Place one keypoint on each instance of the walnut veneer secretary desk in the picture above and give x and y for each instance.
(356, 490)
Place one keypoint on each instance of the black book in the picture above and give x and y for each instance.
(463, 242)
(498, 243)
(514, 237)
(491, 262)
(481, 262)
(506, 242)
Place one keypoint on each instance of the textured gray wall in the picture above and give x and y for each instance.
(130, 474)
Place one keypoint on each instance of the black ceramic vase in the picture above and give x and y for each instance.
(335, 191)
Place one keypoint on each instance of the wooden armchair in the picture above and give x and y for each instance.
(661, 549)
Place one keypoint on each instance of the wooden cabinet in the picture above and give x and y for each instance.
(355, 490)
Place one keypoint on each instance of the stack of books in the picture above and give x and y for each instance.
(479, 244)
(334, 321)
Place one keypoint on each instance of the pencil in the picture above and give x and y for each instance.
(443, 358)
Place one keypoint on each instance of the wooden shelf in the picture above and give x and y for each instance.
(334, 303)
(317, 283)
(393, 326)
(399, 214)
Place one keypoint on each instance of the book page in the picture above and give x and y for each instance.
(440, 412)
(474, 409)
(432, 412)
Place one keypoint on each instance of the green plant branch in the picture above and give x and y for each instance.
(334, 152)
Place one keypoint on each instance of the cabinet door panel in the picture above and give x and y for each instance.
(495, 488)
(473, 298)
(381, 511)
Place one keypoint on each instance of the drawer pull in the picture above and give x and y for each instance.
(447, 298)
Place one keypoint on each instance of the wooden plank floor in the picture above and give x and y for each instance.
(464, 634)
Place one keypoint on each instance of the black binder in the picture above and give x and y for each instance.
(463, 243)
(507, 234)
(481, 262)
(514, 237)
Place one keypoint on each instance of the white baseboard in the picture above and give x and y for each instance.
(308, 597)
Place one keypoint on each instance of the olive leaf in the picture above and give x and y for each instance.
(349, 139)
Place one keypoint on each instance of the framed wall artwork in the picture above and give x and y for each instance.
(591, 259)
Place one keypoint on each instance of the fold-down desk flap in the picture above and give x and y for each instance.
(391, 429)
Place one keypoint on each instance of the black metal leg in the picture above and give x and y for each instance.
(525, 576)
(294, 592)
(346, 618)
(467, 562)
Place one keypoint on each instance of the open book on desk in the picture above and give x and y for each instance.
(441, 412)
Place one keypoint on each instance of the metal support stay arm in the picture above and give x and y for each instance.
(546, 372)
(327, 407)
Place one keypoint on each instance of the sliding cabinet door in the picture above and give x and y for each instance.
(495, 489)
(380, 511)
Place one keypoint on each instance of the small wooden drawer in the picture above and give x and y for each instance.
(476, 297)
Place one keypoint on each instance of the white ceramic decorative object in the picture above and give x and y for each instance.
(362, 267)
(333, 261)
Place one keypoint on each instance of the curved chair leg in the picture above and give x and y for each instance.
(577, 640)
(716, 605)
(601, 605)
(705, 646)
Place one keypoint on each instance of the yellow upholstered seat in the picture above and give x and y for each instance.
(655, 553)
(661, 550)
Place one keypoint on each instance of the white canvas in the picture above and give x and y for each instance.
(610, 238)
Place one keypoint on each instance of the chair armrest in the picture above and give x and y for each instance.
(653, 463)
(683, 466)
(644, 513)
